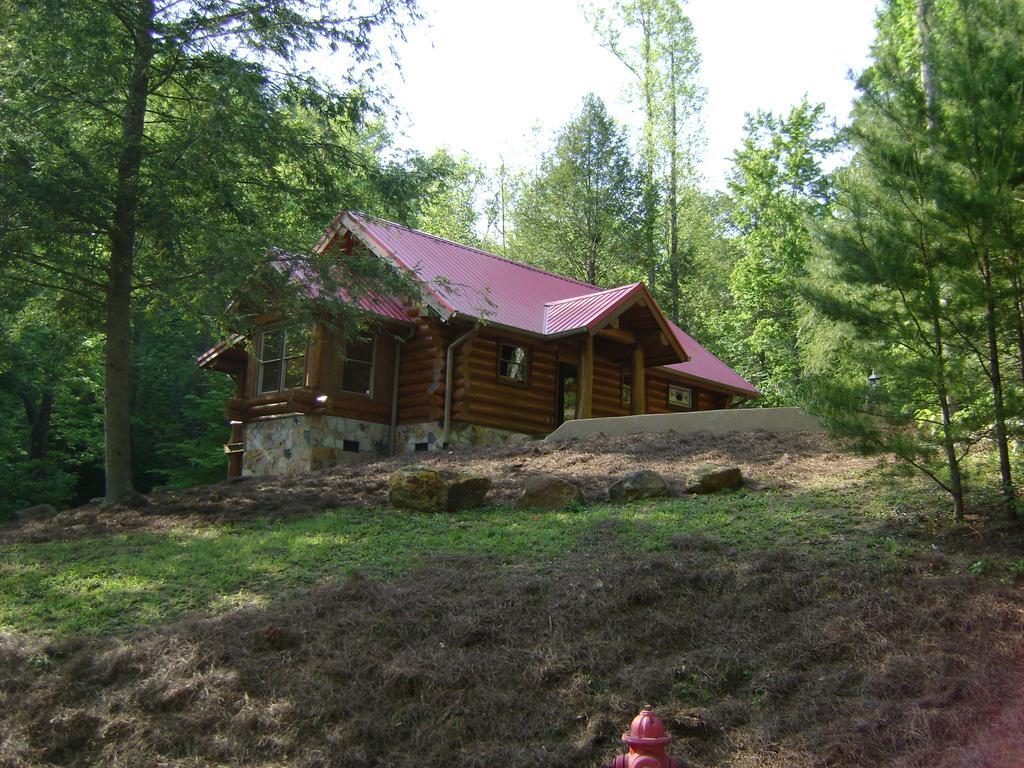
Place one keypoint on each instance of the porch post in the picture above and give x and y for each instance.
(585, 378)
(638, 383)
(316, 369)
(235, 448)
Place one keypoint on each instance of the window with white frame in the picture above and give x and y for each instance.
(282, 360)
(513, 362)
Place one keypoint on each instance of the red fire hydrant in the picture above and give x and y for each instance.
(647, 742)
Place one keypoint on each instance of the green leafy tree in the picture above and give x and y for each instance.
(579, 214)
(49, 373)
(448, 197)
(925, 251)
(655, 40)
(886, 277)
(154, 146)
(972, 61)
(778, 190)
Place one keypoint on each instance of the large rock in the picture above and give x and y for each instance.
(641, 484)
(429, 489)
(38, 512)
(547, 491)
(708, 478)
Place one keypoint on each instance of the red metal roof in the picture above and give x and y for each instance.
(369, 301)
(583, 312)
(468, 281)
(704, 366)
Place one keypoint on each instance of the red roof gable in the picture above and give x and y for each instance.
(372, 302)
(582, 312)
(467, 281)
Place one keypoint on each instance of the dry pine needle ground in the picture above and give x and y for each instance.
(779, 657)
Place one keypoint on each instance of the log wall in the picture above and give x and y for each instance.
(608, 388)
(703, 399)
(376, 407)
(481, 397)
(421, 375)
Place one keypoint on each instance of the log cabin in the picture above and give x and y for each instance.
(491, 351)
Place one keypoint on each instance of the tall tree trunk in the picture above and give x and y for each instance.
(928, 86)
(38, 418)
(504, 243)
(924, 9)
(1018, 310)
(650, 192)
(956, 487)
(673, 192)
(1005, 474)
(122, 235)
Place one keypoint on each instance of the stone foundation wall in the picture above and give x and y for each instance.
(473, 435)
(431, 435)
(289, 445)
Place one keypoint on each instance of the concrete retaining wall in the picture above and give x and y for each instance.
(735, 420)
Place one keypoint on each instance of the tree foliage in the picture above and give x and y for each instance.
(148, 147)
(655, 40)
(779, 189)
(923, 256)
(580, 212)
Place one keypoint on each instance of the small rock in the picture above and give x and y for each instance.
(548, 491)
(38, 512)
(428, 489)
(641, 484)
(708, 478)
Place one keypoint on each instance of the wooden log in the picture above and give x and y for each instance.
(539, 409)
(638, 383)
(512, 390)
(418, 378)
(419, 355)
(618, 335)
(585, 378)
(520, 412)
(418, 414)
(484, 420)
(276, 409)
(317, 370)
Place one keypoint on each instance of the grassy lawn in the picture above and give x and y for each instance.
(119, 583)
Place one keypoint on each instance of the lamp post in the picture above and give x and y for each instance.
(873, 380)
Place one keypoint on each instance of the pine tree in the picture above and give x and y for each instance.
(580, 213)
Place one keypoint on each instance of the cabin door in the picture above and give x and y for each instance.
(566, 405)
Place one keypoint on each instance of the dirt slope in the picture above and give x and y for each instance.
(757, 659)
(780, 461)
(754, 661)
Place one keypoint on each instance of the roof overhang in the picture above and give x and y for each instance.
(228, 356)
(345, 221)
(717, 386)
(598, 314)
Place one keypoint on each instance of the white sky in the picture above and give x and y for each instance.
(495, 79)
